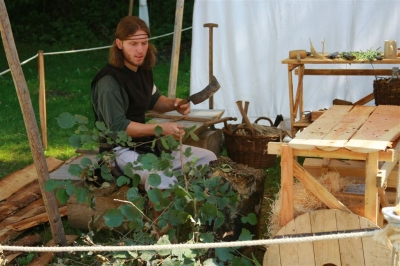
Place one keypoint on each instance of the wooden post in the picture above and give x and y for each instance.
(287, 183)
(31, 126)
(173, 74)
(42, 100)
(130, 7)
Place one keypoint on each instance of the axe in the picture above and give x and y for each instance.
(204, 94)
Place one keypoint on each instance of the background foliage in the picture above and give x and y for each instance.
(80, 24)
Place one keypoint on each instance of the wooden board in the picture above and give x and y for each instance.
(15, 181)
(311, 136)
(381, 128)
(208, 114)
(363, 129)
(350, 251)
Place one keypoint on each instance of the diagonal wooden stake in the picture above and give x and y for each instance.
(31, 126)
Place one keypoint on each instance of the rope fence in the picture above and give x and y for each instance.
(194, 246)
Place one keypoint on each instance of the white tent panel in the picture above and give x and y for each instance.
(254, 36)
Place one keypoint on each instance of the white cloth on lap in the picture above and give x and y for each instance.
(125, 155)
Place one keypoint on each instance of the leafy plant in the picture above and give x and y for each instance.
(369, 55)
(191, 211)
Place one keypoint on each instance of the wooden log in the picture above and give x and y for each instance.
(31, 125)
(29, 240)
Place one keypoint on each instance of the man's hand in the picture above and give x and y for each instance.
(172, 128)
(184, 109)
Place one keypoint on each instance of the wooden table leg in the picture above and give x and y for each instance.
(371, 194)
(287, 207)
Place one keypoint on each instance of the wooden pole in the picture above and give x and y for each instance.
(130, 7)
(173, 74)
(42, 100)
(31, 126)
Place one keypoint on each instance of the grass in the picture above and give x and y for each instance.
(68, 78)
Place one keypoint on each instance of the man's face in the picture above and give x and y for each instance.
(134, 49)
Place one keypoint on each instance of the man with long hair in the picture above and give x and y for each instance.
(124, 90)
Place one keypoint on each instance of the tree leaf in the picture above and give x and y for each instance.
(155, 195)
(245, 235)
(113, 218)
(251, 218)
(164, 241)
(75, 169)
(225, 254)
(130, 212)
(50, 185)
(86, 162)
(154, 180)
(188, 152)
(133, 194)
(75, 141)
(70, 189)
(207, 237)
(100, 126)
(158, 130)
(62, 195)
(123, 180)
(81, 119)
(66, 120)
(80, 194)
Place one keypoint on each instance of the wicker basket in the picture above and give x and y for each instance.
(387, 91)
(250, 149)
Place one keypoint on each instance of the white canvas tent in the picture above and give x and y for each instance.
(254, 36)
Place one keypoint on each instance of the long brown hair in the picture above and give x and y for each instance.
(125, 28)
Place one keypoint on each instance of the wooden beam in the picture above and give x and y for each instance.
(347, 72)
(342, 153)
(31, 126)
(287, 184)
(173, 74)
(311, 184)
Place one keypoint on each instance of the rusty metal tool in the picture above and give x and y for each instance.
(204, 94)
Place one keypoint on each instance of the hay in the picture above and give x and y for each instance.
(304, 200)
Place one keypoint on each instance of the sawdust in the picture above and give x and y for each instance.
(304, 200)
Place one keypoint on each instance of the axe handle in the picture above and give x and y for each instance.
(185, 101)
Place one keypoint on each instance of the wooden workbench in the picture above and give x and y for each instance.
(365, 133)
(299, 68)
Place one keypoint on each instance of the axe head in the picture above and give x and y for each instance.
(204, 94)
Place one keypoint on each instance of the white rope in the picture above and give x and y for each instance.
(82, 50)
(193, 246)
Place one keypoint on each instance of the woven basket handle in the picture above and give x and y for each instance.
(266, 118)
